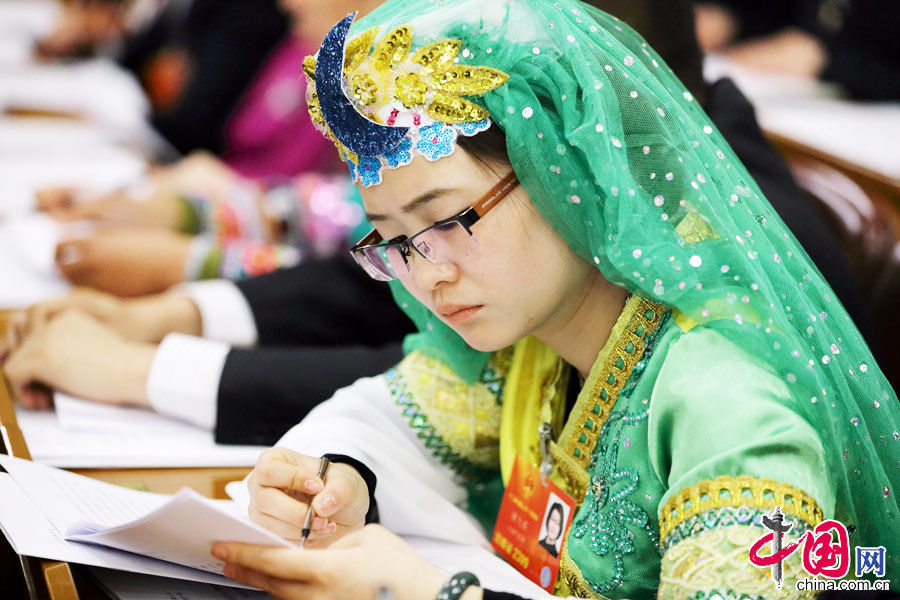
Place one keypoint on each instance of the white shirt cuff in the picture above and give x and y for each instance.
(224, 312)
(184, 378)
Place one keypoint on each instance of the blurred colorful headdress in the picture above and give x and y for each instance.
(382, 105)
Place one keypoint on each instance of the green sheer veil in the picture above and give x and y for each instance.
(630, 171)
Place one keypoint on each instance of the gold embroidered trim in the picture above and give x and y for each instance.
(573, 455)
(574, 477)
(708, 494)
(715, 560)
(571, 582)
(464, 417)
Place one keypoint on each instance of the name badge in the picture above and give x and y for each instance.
(533, 521)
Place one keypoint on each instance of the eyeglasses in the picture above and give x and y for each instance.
(445, 241)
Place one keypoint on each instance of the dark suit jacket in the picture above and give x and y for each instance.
(227, 42)
(322, 325)
(860, 37)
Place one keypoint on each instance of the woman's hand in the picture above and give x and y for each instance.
(356, 566)
(118, 208)
(125, 262)
(75, 353)
(788, 52)
(283, 484)
(144, 319)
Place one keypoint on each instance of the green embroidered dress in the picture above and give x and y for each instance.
(674, 450)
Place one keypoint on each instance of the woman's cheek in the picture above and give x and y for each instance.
(421, 295)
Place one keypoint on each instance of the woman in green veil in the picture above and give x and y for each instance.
(602, 291)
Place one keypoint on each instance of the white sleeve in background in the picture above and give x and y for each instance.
(224, 312)
(184, 378)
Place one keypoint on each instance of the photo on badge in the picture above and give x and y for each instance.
(555, 518)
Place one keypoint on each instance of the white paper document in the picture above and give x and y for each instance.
(862, 133)
(31, 534)
(179, 529)
(97, 89)
(82, 434)
(96, 167)
(59, 515)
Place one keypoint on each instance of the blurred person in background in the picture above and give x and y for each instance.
(200, 220)
(195, 59)
(850, 42)
(310, 343)
(85, 27)
(273, 347)
(263, 206)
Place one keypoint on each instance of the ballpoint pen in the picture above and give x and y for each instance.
(311, 513)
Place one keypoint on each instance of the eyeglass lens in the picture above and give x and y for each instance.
(442, 243)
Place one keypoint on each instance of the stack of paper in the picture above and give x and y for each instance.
(62, 516)
(41, 504)
(82, 434)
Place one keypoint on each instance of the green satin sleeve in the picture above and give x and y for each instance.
(718, 411)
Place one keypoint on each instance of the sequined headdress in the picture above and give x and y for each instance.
(381, 105)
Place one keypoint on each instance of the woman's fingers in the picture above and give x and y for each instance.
(275, 503)
(277, 588)
(287, 470)
(283, 485)
(36, 397)
(280, 513)
(248, 577)
(338, 493)
(297, 474)
(289, 531)
(70, 260)
(303, 566)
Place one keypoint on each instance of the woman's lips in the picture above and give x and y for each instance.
(457, 313)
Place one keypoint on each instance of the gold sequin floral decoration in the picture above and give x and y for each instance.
(393, 85)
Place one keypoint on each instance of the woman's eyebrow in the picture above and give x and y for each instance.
(413, 204)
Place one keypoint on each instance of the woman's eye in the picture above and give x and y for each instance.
(445, 226)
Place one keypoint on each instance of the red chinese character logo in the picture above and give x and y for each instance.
(821, 555)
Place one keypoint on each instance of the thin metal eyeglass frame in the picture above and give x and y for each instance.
(466, 218)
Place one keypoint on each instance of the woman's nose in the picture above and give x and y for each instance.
(428, 275)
